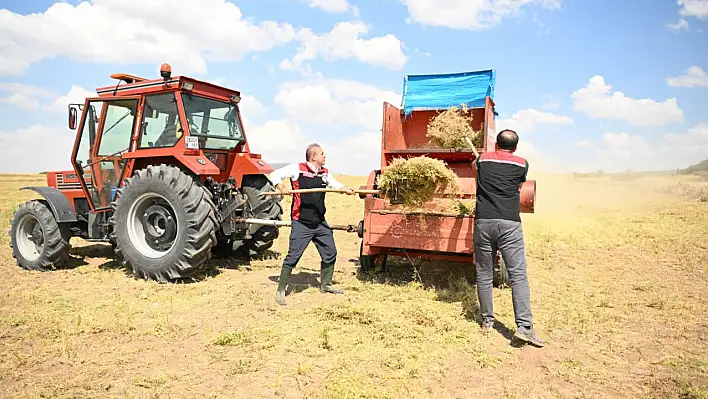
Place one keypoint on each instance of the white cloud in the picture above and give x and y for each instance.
(469, 14)
(597, 101)
(694, 76)
(27, 90)
(682, 24)
(181, 32)
(76, 95)
(343, 42)
(32, 97)
(693, 8)
(22, 95)
(335, 102)
(279, 141)
(622, 151)
(334, 6)
(526, 121)
(584, 144)
(356, 155)
(689, 8)
(695, 140)
(250, 106)
(20, 100)
(36, 149)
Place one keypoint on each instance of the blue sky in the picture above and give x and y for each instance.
(319, 70)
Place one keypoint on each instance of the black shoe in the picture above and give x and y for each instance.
(282, 283)
(487, 325)
(529, 335)
(327, 271)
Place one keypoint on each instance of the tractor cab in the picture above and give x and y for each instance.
(170, 118)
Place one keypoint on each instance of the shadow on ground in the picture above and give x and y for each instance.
(235, 260)
(299, 281)
(453, 282)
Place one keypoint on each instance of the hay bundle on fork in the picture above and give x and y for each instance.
(449, 129)
(417, 180)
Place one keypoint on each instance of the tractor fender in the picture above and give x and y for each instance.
(60, 205)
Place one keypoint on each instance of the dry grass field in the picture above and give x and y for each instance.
(619, 282)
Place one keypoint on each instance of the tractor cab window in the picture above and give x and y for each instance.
(216, 123)
(117, 128)
(160, 125)
(105, 135)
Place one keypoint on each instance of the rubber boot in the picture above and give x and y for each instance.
(282, 283)
(327, 271)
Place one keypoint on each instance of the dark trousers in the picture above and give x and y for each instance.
(507, 236)
(300, 236)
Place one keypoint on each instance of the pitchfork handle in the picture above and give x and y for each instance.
(474, 149)
(323, 190)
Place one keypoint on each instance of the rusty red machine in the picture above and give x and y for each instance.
(388, 230)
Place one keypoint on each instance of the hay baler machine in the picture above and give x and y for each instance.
(390, 229)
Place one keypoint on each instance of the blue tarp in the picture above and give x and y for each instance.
(442, 91)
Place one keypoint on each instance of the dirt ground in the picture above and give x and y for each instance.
(618, 271)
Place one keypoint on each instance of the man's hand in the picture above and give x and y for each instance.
(350, 191)
(283, 190)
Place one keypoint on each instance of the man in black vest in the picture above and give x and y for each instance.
(497, 225)
(308, 217)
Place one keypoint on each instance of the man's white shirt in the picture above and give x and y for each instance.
(292, 171)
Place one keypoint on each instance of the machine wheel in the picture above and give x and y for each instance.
(369, 262)
(38, 242)
(263, 207)
(366, 262)
(501, 275)
(164, 224)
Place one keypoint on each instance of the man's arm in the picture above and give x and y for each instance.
(333, 183)
(526, 172)
(291, 172)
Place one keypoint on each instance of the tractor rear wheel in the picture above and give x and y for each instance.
(262, 207)
(164, 224)
(38, 242)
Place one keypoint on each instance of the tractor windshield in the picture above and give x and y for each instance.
(215, 122)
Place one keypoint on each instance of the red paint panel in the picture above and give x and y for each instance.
(428, 233)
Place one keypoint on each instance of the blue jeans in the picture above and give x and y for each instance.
(506, 236)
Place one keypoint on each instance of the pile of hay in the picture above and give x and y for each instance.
(449, 129)
(417, 180)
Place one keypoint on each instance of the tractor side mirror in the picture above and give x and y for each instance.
(72, 118)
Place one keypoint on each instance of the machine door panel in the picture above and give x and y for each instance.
(105, 134)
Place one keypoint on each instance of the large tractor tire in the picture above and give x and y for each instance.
(38, 242)
(164, 224)
(263, 207)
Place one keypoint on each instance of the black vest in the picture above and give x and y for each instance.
(309, 208)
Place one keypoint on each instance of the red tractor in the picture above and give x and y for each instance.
(162, 170)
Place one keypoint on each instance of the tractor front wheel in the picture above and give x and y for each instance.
(38, 242)
(164, 224)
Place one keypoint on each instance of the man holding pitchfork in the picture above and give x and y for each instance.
(308, 217)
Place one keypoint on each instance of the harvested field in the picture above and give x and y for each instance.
(619, 283)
